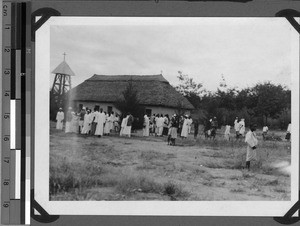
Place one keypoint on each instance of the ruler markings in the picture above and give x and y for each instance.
(12, 124)
(18, 174)
(18, 124)
(18, 74)
(22, 42)
(5, 131)
(12, 175)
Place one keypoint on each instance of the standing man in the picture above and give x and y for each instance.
(184, 131)
(252, 142)
(127, 130)
(81, 119)
(265, 131)
(242, 127)
(172, 134)
(237, 127)
(146, 126)
(214, 127)
(100, 122)
(60, 119)
(93, 119)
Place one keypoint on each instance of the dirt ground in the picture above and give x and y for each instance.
(138, 168)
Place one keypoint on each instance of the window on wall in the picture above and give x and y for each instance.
(149, 112)
(109, 109)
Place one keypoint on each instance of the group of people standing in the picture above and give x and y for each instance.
(88, 121)
(159, 125)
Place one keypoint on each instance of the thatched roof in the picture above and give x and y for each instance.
(152, 90)
(63, 68)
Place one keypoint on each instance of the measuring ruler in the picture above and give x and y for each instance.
(15, 180)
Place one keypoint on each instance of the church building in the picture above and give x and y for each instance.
(154, 93)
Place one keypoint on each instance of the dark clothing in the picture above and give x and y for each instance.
(196, 128)
(214, 124)
(130, 120)
(82, 113)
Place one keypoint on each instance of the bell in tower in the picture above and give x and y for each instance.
(61, 85)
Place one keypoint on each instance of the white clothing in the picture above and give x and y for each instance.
(86, 124)
(146, 126)
(160, 125)
(108, 124)
(123, 124)
(251, 141)
(236, 125)
(289, 129)
(227, 132)
(59, 120)
(184, 131)
(127, 129)
(100, 119)
(242, 127)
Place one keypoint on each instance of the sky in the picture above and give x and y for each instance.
(243, 50)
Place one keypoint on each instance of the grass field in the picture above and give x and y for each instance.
(137, 168)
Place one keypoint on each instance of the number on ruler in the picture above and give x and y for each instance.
(4, 10)
(5, 183)
(7, 72)
(6, 160)
(6, 94)
(6, 116)
(6, 138)
(7, 50)
(6, 204)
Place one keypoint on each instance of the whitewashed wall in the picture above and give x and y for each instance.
(104, 106)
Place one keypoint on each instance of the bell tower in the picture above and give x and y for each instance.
(62, 82)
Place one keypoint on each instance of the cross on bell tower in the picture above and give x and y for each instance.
(62, 83)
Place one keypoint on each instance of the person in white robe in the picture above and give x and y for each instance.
(127, 128)
(123, 124)
(60, 119)
(108, 124)
(160, 125)
(184, 130)
(237, 127)
(69, 117)
(112, 119)
(227, 132)
(146, 126)
(252, 142)
(86, 123)
(242, 127)
(100, 123)
(116, 123)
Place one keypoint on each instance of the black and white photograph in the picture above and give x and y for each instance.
(165, 111)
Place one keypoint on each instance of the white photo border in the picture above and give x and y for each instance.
(158, 208)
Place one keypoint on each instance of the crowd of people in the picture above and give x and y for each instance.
(96, 122)
(88, 121)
